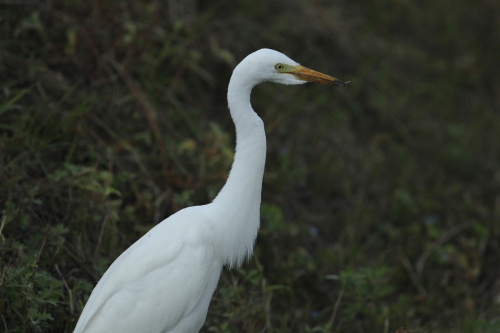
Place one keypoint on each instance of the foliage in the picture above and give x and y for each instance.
(380, 202)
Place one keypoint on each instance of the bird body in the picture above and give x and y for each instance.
(163, 283)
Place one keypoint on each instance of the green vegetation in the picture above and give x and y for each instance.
(381, 204)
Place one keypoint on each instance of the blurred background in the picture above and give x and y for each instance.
(381, 204)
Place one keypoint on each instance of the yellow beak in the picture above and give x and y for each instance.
(306, 74)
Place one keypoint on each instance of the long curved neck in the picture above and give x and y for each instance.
(238, 203)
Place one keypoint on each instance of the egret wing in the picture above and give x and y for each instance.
(160, 280)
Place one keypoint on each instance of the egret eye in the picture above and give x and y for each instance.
(279, 67)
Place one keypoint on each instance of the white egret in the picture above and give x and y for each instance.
(164, 282)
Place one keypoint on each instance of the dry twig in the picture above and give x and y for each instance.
(148, 109)
(443, 239)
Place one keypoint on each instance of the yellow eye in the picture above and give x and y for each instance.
(279, 67)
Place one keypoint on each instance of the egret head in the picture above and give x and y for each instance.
(269, 65)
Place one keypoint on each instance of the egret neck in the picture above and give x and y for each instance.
(238, 203)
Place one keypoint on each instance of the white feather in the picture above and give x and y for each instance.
(164, 282)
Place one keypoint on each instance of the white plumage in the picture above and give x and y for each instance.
(164, 282)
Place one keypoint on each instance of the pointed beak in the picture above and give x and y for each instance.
(306, 74)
